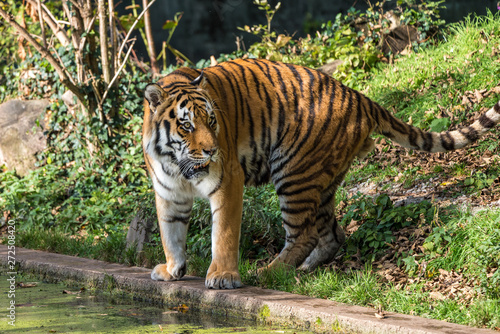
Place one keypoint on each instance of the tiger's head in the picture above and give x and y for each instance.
(183, 127)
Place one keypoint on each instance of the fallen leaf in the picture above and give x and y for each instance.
(380, 314)
(437, 295)
(181, 308)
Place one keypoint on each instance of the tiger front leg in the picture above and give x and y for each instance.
(226, 204)
(173, 219)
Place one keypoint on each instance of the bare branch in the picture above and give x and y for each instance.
(41, 23)
(52, 23)
(150, 39)
(46, 54)
(103, 41)
(75, 22)
(117, 72)
(113, 37)
(133, 26)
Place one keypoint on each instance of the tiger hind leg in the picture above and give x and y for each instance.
(331, 234)
(331, 238)
(301, 233)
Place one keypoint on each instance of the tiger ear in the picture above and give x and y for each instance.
(155, 96)
(199, 80)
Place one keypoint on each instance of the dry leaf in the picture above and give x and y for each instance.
(67, 292)
(181, 308)
(437, 295)
(380, 314)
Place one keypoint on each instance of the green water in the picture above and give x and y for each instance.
(44, 308)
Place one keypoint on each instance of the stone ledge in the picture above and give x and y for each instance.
(250, 302)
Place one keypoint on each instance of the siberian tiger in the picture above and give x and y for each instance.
(247, 122)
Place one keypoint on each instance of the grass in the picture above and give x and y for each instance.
(454, 243)
(431, 84)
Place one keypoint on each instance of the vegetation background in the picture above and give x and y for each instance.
(422, 236)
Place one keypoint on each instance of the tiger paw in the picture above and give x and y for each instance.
(162, 273)
(223, 280)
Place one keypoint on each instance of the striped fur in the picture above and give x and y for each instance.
(249, 122)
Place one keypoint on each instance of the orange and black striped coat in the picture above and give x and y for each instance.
(249, 122)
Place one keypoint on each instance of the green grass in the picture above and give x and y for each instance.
(473, 250)
(440, 75)
(422, 84)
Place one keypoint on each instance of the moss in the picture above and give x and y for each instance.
(264, 312)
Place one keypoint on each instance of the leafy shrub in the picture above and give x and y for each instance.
(261, 232)
(343, 39)
(379, 220)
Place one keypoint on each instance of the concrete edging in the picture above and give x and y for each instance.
(251, 302)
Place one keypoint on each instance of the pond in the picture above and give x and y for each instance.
(56, 308)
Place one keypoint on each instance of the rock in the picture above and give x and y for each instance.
(140, 230)
(20, 137)
(398, 39)
(331, 67)
(69, 99)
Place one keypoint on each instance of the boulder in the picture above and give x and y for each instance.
(399, 39)
(140, 230)
(331, 67)
(20, 136)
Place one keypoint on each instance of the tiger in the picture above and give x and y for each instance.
(246, 122)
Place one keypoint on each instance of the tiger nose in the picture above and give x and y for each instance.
(210, 152)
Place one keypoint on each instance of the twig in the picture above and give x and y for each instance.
(52, 23)
(113, 37)
(117, 73)
(45, 53)
(41, 23)
(132, 28)
(150, 40)
(101, 9)
(62, 64)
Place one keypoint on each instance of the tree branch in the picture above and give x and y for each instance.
(41, 23)
(150, 40)
(113, 36)
(52, 23)
(133, 26)
(117, 73)
(103, 41)
(46, 54)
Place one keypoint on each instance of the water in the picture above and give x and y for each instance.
(44, 308)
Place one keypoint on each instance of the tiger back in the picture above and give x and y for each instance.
(249, 122)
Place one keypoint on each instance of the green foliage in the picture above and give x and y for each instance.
(471, 242)
(481, 180)
(422, 15)
(357, 48)
(440, 124)
(380, 219)
(74, 188)
(261, 232)
(440, 76)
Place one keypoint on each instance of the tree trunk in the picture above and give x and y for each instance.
(103, 38)
(149, 36)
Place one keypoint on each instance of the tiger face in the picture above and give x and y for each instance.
(186, 129)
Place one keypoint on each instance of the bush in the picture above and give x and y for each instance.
(355, 38)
